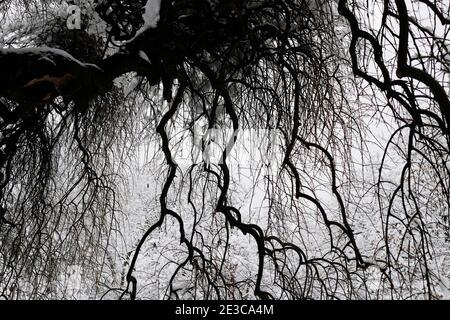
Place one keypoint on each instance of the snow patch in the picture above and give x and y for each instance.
(46, 53)
(151, 14)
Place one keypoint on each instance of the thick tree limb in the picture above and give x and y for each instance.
(39, 75)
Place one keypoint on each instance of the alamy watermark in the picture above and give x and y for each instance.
(73, 21)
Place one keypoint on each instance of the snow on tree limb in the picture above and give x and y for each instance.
(41, 74)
